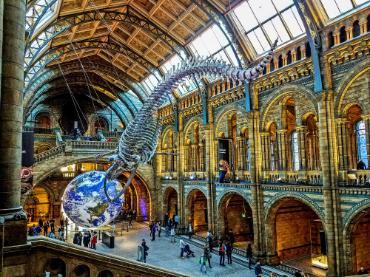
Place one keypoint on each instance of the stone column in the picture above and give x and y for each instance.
(211, 153)
(349, 32)
(282, 149)
(180, 171)
(265, 150)
(336, 37)
(301, 131)
(342, 149)
(12, 80)
(363, 25)
(327, 136)
(256, 190)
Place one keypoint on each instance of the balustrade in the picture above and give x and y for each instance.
(293, 177)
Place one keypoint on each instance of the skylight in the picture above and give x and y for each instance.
(336, 7)
(267, 20)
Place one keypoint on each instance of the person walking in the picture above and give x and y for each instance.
(229, 251)
(207, 255)
(145, 249)
(182, 248)
(173, 235)
(258, 269)
(221, 252)
(249, 255)
(190, 231)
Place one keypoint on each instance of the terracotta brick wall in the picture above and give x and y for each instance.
(362, 245)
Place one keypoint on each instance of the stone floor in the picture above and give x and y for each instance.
(165, 254)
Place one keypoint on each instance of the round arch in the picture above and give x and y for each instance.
(38, 203)
(81, 271)
(196, 212)
(141, 200)
(105, 273)
(295, 230)
(270, 108)
(355, 234)
(170, 201)
(235, 219)
(343, 87)
(55, 266)
(227, 113)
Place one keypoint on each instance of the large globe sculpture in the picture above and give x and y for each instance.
(85, 202)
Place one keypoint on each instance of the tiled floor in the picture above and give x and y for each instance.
(165, 254)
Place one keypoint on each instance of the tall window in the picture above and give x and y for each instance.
(295, 151)
(266, 20)
(273, 148)
(361, 143)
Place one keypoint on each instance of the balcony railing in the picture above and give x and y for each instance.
(358, 178)
(49, 154)
(292, 177)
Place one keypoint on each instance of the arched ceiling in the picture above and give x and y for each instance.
(114, 45)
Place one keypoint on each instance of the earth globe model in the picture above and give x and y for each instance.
(85, 201)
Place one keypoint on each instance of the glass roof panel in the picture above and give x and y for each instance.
(336, 7)
(212, 42)
(264, 21)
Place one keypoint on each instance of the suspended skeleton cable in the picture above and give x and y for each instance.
(75, 102)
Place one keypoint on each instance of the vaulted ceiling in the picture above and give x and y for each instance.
(113, 45)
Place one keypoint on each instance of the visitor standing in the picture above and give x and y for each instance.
(202, 261)
(145, 249)
(258, 269)
(79, 238)
(173, 235)
(165, 220)
(94, 240)
(52, 226)
(45, 227)
(154, 229)
(209, 239)
(41, 223)
(223, 167)
(176, 220)
(221, 252)
(182, 247)
(159, 227)
(249, 255)
(229, 251)
(151, 228)
(190, 231)
(76, 238)
(207, 255)
(51, 235)
(86, 239)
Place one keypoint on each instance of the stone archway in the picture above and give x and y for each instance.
(196, 211)
(235, 215)
(81, 271)
(357, 243)
(170, 198)
(37, 204)
(295, 235)
(55, 266)
(137, 197)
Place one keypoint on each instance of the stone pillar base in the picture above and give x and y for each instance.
(15, 228)
(273, 259)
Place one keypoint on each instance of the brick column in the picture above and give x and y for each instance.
(12, 81)
(329, 165)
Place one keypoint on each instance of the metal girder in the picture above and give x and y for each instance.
(39, 43)
(56, 91)
(106, 68)
(57, 52)
(37, 10)
(214, 14)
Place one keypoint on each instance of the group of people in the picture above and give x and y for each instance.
(47, 228)
(87, 238)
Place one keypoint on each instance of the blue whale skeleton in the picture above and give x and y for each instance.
(139, 140)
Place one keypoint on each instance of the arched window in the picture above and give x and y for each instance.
(342, 34)
(331, 39)
(295, 151)
(42, 121)
(356, 29)
(360, 131)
